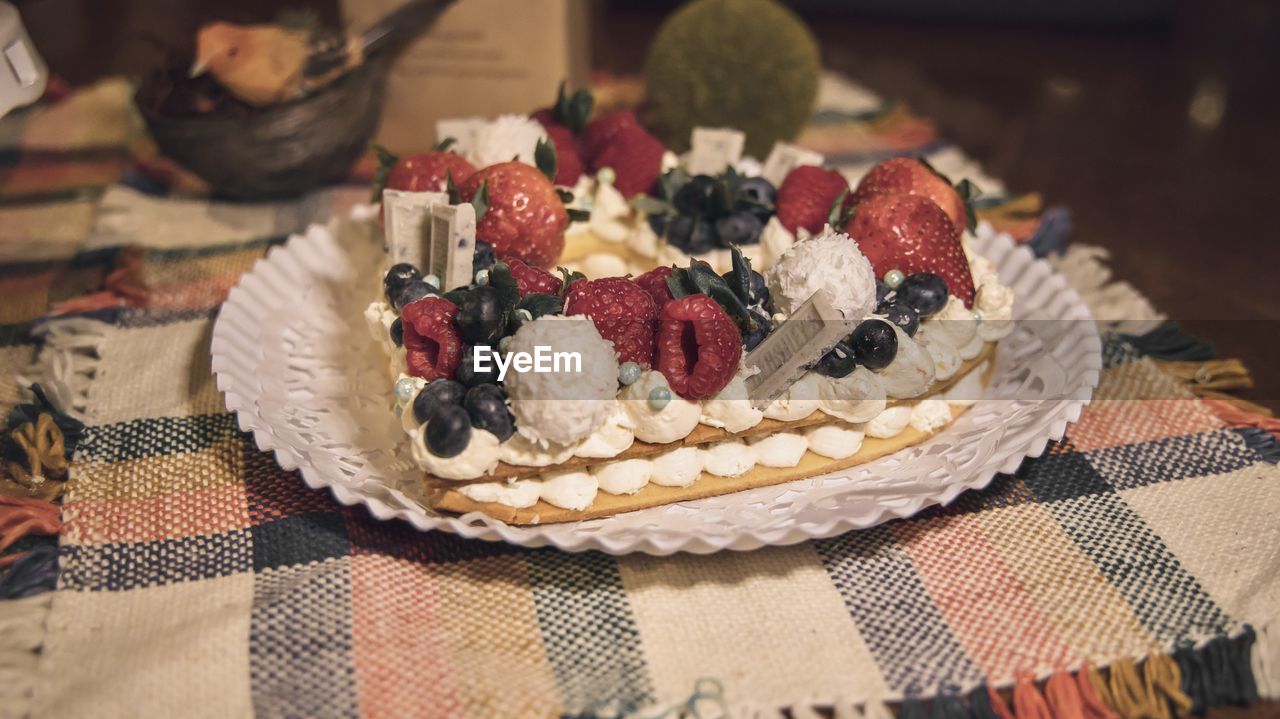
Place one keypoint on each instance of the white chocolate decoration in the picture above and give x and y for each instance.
(565, 406)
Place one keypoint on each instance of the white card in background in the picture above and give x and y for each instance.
(783, 158)
(461, 129)
(794, 346)
(712, 149)
(453, 244)
(405, 219)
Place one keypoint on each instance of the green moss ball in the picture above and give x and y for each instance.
(749, 64)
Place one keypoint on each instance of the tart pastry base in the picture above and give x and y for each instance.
(442, 495)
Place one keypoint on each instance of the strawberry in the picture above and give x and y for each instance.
(636, 159)
(805, 197)
(427, 172)
(622, 311)
(519, 213)
(432, 346)
(908, 176)
(699, 346)
(655, 283)
(564, 121)
(599, 132)
(530, 279)
(912, 234)
(569, 166)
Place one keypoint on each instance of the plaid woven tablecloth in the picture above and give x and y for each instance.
(1135, 566)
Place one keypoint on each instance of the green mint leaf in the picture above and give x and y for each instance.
(386, 161)
(577, 215)
(544, 158)
(451, 188)
(481, 200)
(836, 211)
(445, 144)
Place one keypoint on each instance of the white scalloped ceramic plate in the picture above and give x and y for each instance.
(295, 360)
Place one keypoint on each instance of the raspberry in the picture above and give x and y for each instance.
(636, 159)
(532, 279)
(699, 346)
(432, 346)
(623, 313)
(655, 283)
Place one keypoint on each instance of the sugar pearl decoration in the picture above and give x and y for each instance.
(893, 279)
(404, 389)
(482, 277)
(432, 280)
(659, 398)
(629, 373)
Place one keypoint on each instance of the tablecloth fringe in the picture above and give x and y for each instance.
(1115, 304)
(67, 362)
(21, 638)
(1226, 670)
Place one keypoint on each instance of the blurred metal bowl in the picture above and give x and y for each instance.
(277, 152)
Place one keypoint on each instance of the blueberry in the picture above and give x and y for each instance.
(763, 327)
(874, 344)
(838, 362)
(486, 405)
(658, 223)
(679, 230)
(697, 197)
(925, 292)
(483, 258)
(755, 195)
(449, 431)
(436, 394)
(481, 318)
(411, 293)
(901, 314)
(397, 332)
(702, 239)
(469, 376)
(397, 278)
(740, 228)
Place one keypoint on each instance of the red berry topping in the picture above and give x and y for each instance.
(525, 217)
(531, 279)
(622, 312)
(912, 234)
(636, 159)
(599, 132)
(805, 197)
(655, 283)
(907, 176)
(568, 156)
(432, 346)
(699, 346)
(428, 172)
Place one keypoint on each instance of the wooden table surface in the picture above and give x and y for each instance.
(1163, 141)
